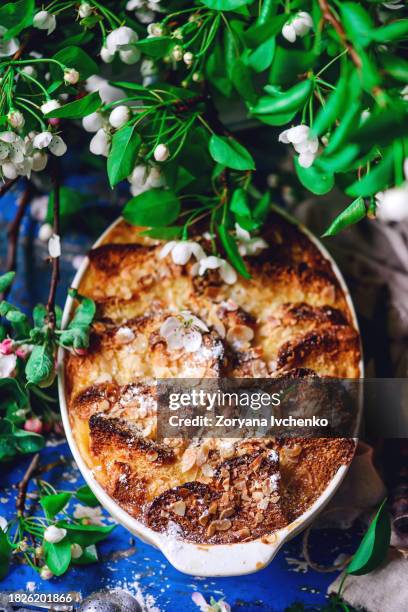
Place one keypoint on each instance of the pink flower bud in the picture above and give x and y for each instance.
(80, 351)
(54, 121)
(6, 347)
(33, 425)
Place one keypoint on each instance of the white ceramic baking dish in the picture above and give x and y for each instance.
(201, 559)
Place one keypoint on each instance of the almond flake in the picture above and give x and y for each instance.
(179, 507)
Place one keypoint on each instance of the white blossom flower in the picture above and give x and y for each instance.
(3, 523)
(92, 122)
(39, 207)
(144, 178)
(119, 116)
(49, 106)
(121, 40)
(248, 245)
(54, 246)
(54, 534)
(46, 573)
(303, 143)
(45, 21)
(40, 159)
(16, 119)
(161, 153)
(154, 29)
(7, 47)
(71, 76)
(99, 144)
(181, 251)
(226, 271)
(9, 170)
(129, 56)
(42, 140)
(183, 331)
(108, 92)
(8, 365)
(30, 70)
(57, 146)
(92, 516)
(106, 55)
(45, 232)
(392, 205)
(299, 25)
(84, 10)
(76, 551)
(188, 58)
(219, 606)
(148, 68)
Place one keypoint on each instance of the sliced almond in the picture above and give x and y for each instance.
(179, 508)
(188, 460)
(239, 335)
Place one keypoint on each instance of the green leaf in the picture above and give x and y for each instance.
(396, 30)
(328, 113)
(239, 203)
(52, 504)
(122, 156)
(377, 179)
(350, 215)
(10, 389)
(397, 67)
(225, 5)
(78, 337)
(85, 535)
(153, 208)
(316, 180)
(231, 249)
(5, 554)
(164, 233)
(79, 108)
(262, 57)
(39, 315)
(230, 153)
(58, 556)
(263, 30)
(357, 22)
(286, 101)
(6, 280)
(39, 368)
(85, 495)
(241, 78)
(156, 46)
(288, 64)
(382, 127)
(7, 447)
(262, 208)
(341, 160)
(374, 546)
(347, 126)
(15, 16)
(85, 311)
(73, 57)
(27, 442)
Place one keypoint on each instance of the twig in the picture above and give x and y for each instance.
(14, 232)
(22, 487)
(55, 275)
(329, 16)
(7, 186)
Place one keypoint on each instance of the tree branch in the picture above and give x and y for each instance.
(329, 16)
(55, 275)
(7, 186)
(22, 487)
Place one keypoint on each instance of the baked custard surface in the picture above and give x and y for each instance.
(290, 319)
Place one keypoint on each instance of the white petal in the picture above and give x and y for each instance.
(199, 323)
(42, 140)
(306, 159)
(57, 146)
(192, 340)
(392, 205)
(198, 251)
(92, 122)
(406, 168)
(241, 233)
(7, 365)
(168, 247)
(289, 32)
(175, 340)
(298, 133)
(54, 534)
(210, 263)
(306, 17)
(54, 246)
(170, 325)
(181, 253)
(129, 56)
(283, 137)
(228, 273)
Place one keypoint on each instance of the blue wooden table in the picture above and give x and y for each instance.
(129, 563)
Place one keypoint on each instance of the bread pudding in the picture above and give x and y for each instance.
(159, 319)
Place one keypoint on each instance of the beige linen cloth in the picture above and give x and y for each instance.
(373, 256)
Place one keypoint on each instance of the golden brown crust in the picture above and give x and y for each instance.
(291, 319)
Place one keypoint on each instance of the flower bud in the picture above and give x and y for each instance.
(119, 116)
(45, 232)
(34, 425)
(177, 53)
(54, 534)
(6, 346)
(49, 106)
(76, 551)
(9, 171)
(92, 122)
(30, 70)
(155, 29)
(46, 573)
(40, 159)
(16, 119)
(188, 58)
(161, 153)
(42, 140)
(84, 10)
(57, 146)
(129, 56)
(106, 55)
(45, 21)
(54, 246)
(99, 144)
(71, 76)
